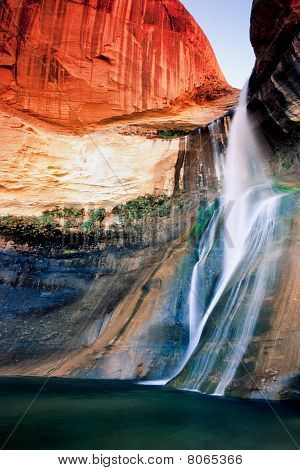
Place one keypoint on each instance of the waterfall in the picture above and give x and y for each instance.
(230, 279)
(244, 178)
(218, 153)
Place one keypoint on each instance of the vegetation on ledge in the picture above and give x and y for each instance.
(52, 225)
(29, 229)
(172, 133)
(148, 205)
(72, 218)
(59, 225)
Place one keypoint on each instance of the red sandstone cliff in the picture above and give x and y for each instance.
(75, 61)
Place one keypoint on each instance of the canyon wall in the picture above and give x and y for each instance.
(270, 367)
(275, 80)
(42, 168)
(274, 84)
(123, 302)
(118, 309)
(70, 299)
(76, 62)
(106, 293)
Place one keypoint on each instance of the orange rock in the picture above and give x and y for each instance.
(83, 61)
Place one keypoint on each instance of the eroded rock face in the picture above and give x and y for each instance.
(274, 85)
(83, 61)
(96, 293)
(40, 169)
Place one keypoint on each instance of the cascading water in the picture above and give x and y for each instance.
(224, 306)
(230, 281)
(218, 149)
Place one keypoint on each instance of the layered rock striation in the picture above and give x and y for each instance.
(76, 62)
(274, 84)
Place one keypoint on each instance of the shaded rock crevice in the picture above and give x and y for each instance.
(274, 84)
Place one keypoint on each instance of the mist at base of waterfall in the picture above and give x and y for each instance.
(87, 414)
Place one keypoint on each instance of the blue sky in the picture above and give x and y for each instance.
(226, 24)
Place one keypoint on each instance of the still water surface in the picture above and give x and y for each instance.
(84, 414)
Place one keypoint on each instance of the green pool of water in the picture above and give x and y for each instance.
(84, 414)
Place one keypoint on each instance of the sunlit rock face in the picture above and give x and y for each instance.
(41, 167)
(77, 62)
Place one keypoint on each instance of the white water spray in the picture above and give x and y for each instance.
(248, 229)
(244, 177)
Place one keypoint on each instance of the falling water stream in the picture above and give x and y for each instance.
(197, 338)
(223, 308)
